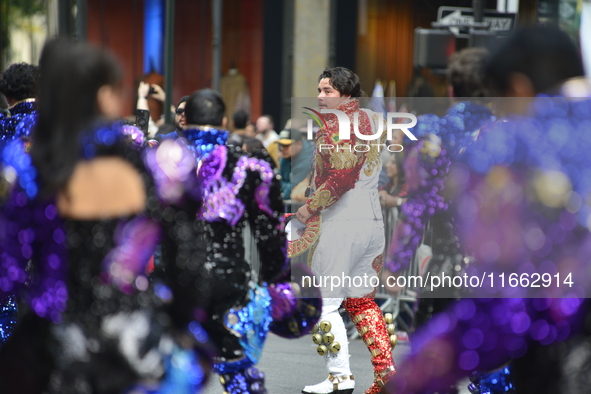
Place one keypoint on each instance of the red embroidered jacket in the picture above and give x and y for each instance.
(337, 165)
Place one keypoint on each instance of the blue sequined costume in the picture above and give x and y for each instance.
(92, 321)
(18, 123)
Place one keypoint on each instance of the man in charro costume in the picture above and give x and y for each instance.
(351, 240)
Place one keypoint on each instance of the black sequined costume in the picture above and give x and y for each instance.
(92, 322)
(216, 276)
(210, 278)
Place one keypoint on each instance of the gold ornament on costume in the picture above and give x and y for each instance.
(335, 347)
(431, 146)
(293, 326)
(358, 318)
(325, 326)
(317, 339)
(307, 239)
(322, 350)
(391, 329)
(344, 158)
(319, 165)
(389, 318)
(393, 340)
(328, 338)
(320, 199)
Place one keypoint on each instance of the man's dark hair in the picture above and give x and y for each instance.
(20, 81)
(253, 144)
(240, 119)
(182, 100)
(345, 81)
(545, 54)
(205, 107)
(466, 73)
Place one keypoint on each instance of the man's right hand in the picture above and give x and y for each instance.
(303, 215)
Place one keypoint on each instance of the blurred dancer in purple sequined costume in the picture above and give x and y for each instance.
(516, 191)
(82, 217)
(215, 285)
(425, 213)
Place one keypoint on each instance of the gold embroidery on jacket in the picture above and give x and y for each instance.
(343, 157)
(321, 199)
(319, 165)
(373, 155)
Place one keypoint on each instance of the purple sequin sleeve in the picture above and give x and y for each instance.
(27, 227)
(135, 243)
(172, 165)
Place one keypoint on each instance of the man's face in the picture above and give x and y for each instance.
(296, 148)
(179, 117)
(329, 97)
(285, 151)
(397, 137)
(263, 124)
(250, 131)
(391, 167)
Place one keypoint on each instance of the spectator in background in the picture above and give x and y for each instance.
(179, 114)
(394, 193)
(180, 122)
(397, 139)
(251, 145)
(295, 161)
(266, 133)
(250, 130)
(144, 92)
(239, 122)
(264, 130)
(19, 84)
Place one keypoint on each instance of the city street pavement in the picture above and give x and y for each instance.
(290, 365)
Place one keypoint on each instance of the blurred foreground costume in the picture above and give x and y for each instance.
(210, 278)
(351, 243)
(91, 320)
(527, 172)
